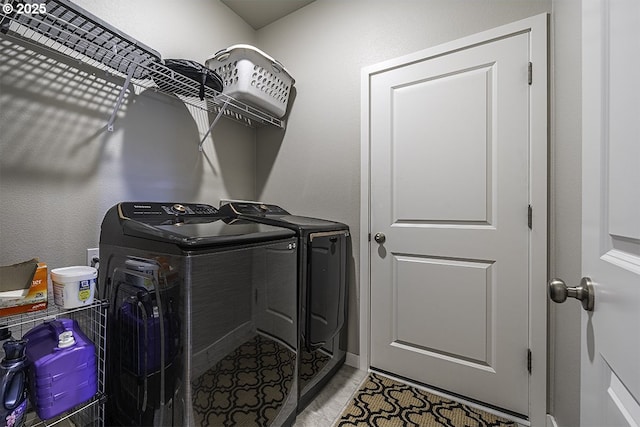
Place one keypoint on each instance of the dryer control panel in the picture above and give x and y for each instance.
(254, 208)
(154, 212)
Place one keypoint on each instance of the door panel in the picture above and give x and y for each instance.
(446, 152)
(447, 277)
(450, 191)
(611, 212)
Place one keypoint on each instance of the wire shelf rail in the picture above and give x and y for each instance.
(66, 28)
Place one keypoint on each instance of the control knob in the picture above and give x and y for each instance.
(178, 208)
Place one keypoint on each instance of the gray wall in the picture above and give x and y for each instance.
(60, 170)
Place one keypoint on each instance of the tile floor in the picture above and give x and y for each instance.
(325, 409)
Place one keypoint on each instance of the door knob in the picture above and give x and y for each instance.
(380, 238)
(559, 291)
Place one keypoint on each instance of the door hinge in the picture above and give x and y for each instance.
(369, 236)
(530, 72)
(530, 217)
(529, 360)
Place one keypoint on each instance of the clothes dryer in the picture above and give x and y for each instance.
(322, 290)
(203, 317)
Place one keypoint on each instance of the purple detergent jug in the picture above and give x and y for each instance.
(140, 340)
(63, 371)
(13, 382)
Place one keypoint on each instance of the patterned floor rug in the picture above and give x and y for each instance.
(382, 402)
(246, 388)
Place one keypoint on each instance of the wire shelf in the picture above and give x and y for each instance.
(66, 28)
(92, 319)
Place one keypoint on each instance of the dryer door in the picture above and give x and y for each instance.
(325, 287)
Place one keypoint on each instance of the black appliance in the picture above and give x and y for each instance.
(322, 284)
(203, 321)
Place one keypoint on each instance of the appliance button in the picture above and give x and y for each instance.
(178, 208)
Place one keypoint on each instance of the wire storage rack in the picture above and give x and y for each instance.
(66, 28)
(92, 319)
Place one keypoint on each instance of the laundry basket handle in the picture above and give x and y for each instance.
(221, 55)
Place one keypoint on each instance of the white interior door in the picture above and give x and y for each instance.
(611, 212)
(450, 187)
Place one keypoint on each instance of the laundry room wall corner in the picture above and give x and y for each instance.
(60, 169)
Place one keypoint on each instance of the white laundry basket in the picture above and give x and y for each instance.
(253, 77)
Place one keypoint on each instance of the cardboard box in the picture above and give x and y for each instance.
(34, 300)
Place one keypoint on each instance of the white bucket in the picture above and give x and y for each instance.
(74, 286)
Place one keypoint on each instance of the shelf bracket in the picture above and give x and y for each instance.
(116, 107)
(215, 121)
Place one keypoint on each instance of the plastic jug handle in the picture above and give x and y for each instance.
(64, 335)
(56, 326)
(13, 389)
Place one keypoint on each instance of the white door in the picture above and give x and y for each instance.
(450, 187)
(611, 212)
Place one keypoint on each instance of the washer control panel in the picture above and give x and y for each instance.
(143, 211)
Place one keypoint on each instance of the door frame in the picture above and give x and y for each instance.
(538, 27)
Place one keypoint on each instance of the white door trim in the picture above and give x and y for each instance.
(537, 26)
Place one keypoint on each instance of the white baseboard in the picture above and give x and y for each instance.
(551, 421)
(352, 360)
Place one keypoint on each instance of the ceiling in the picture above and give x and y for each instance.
(259, 13)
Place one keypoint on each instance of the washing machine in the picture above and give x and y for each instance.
(203, 317)
(322, 290)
